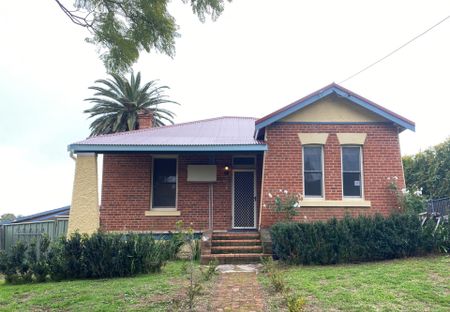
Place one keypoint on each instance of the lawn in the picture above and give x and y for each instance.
(152, 292)
(416, 284)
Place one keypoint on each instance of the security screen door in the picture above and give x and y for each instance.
(244, 199)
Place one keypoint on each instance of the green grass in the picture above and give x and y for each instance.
(416, 284)
(152, 292)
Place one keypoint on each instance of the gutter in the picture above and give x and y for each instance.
(71, 155)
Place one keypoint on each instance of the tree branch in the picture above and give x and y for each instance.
(82, 21)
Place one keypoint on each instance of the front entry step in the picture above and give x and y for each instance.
(234, 258)
(236, 236)
(234, 248)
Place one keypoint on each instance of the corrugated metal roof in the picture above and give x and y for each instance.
(222, 131)
(42, 216)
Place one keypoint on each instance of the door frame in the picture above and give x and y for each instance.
(254, 200)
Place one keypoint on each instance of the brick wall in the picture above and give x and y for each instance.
(283, 168)
(126, 194)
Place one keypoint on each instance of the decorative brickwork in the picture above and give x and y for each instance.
(283, 168)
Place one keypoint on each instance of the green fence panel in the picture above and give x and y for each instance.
(2, 237)
(28, 231)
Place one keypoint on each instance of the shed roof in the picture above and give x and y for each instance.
(216, 134)
(42, 216)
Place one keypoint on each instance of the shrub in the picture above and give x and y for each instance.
(356, 239)
(210, 270)
(295, 303)
(81, 256)
(285, 203)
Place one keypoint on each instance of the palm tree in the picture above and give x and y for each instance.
(118, 102)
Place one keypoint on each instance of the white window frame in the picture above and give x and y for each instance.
(176, 181)
(361, 168)
(323, 171)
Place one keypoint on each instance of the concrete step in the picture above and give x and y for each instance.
(235, 236)
(235, 242)
(241, 258)
(236, 249)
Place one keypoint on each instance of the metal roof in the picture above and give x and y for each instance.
(42, 216)
(341, 91)
(217, 134)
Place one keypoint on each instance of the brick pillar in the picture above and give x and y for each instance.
(145, 120)
(84, 212)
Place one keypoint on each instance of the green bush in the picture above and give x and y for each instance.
(357, 239)
(99, 255)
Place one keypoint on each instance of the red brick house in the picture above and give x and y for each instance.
(333, 146)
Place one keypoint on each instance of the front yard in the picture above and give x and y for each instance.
(416, 284)
(154, 292)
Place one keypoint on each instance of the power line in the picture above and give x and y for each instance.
(396, 50)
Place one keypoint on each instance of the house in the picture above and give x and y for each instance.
(333, 146)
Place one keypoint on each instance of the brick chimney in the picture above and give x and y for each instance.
(145, 119)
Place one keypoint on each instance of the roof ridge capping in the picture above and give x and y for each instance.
(341, 91)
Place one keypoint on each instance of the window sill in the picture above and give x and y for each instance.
(336, 203)
(160, 213)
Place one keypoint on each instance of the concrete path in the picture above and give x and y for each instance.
(237, 289)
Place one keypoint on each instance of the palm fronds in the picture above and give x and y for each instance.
(117, 102)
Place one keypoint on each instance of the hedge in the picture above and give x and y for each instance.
(81, 256)
(357, 239)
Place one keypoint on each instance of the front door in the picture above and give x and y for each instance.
(244, 199)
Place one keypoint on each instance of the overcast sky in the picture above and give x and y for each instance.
(259, 56)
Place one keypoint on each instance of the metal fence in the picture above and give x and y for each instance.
(439, 207)
(25, 232)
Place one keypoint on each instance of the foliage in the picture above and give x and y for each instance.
(7, 217)
(285, 203)
(99, 255)
(359, 239)
(210, 271)
(38, 258)
(429, 172)
(268, 265)
(194, 287)
(277, 281)
(410, 202)
(118, 102)
(122, 29)
(295, 303)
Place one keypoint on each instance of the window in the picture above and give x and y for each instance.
(313, 171)
(244, 161)
(351, 171)
(164, 192)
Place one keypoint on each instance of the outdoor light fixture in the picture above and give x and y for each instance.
(226, 170)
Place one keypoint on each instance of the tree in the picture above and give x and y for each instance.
(429, 171)
(7, 217)
(123, 28)
(119, 101)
